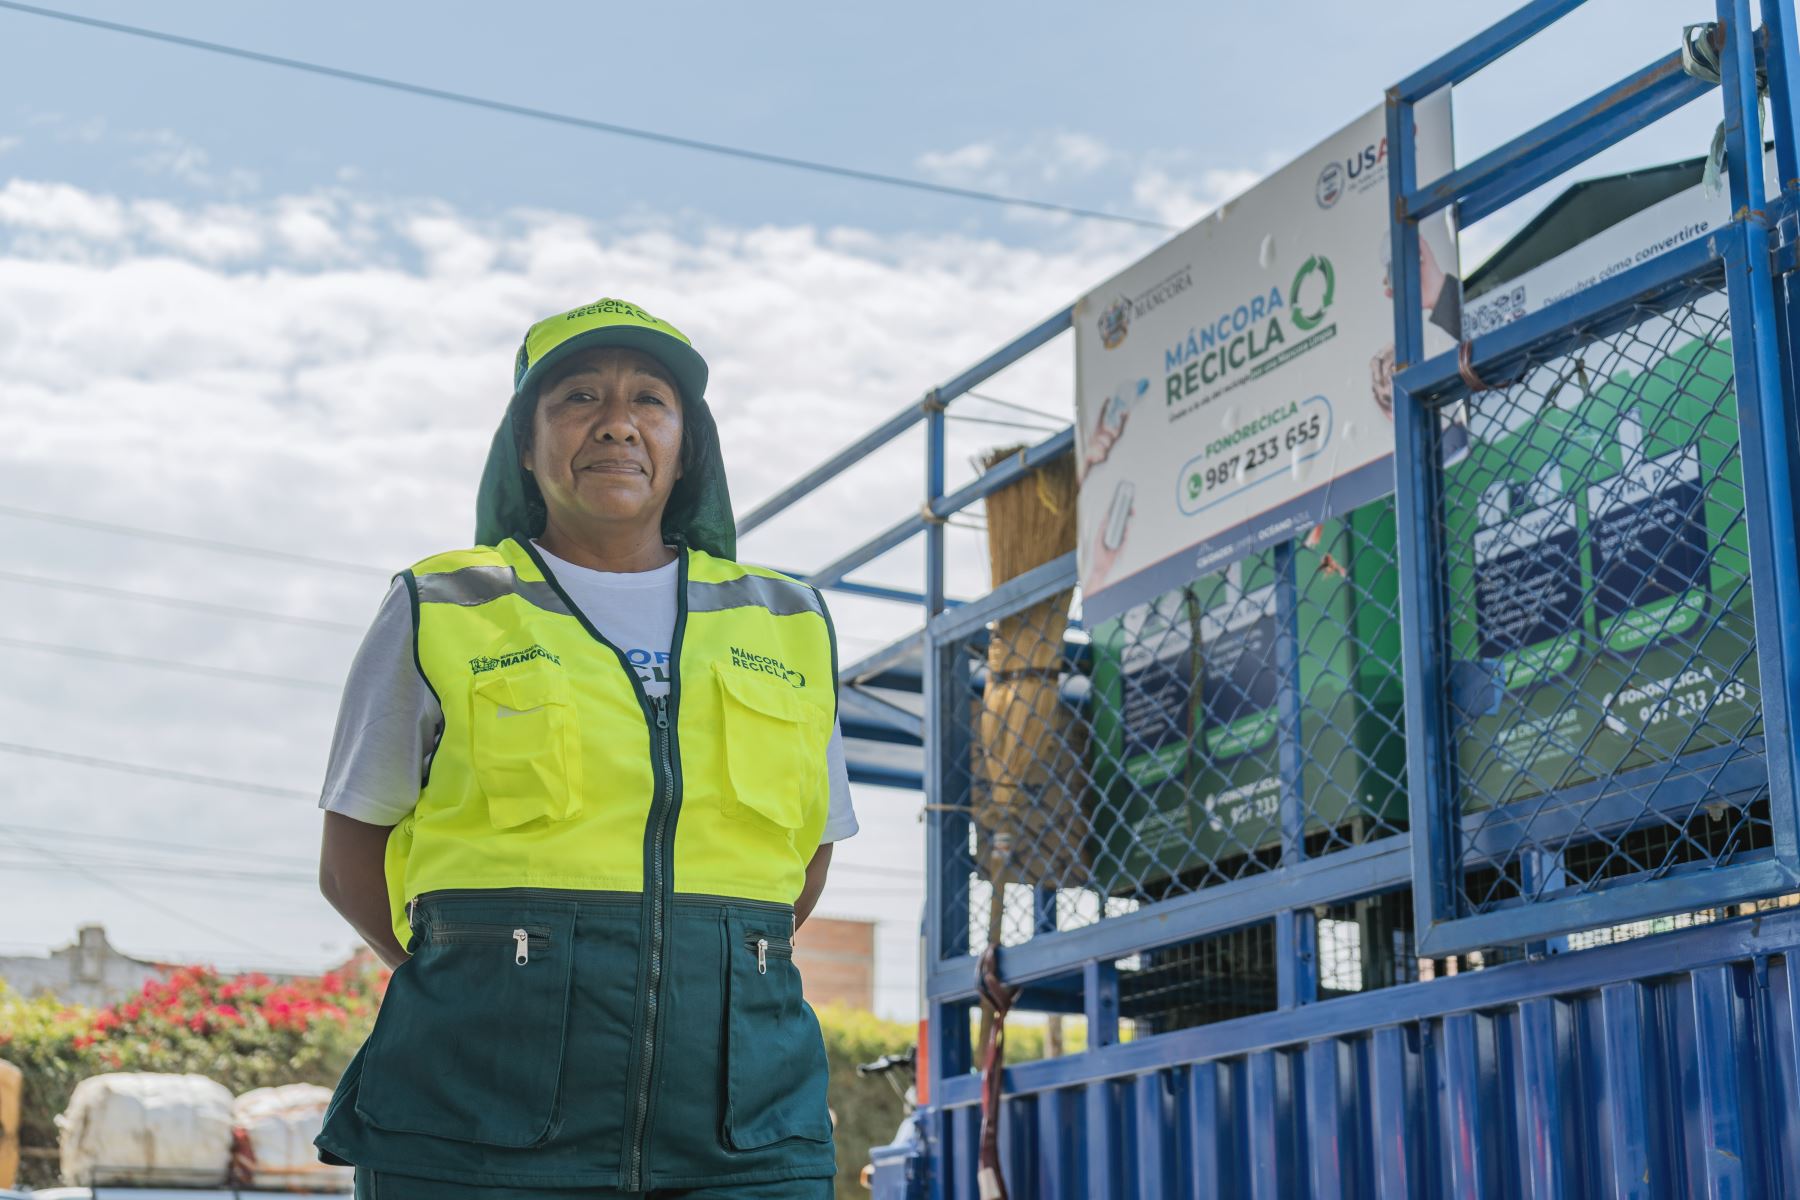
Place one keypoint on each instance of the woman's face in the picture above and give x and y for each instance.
(606, 440)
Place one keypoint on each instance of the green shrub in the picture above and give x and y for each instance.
(868, 1110)
(248, 1031)
(245, 1032)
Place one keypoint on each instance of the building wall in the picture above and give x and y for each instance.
(837, 961)
(88, 971)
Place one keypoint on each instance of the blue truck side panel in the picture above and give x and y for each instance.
(1602, 1073)
(1663, 1064)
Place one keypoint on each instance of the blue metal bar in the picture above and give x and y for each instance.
(1727, 1142)
(1354, 871)
(1541, 1090)
(873, 776)
(868, 710)
(1561, 143)
(1649, 795)
(1586, 970)
(1102, 1138)
(1568, 324)
(1059, 1135)
(1631, 1159)
(1460, 1068)
(1100, 987)
(1781, 58)
(1393, 1125)
(1416, 475)
(940, 506)
(828, 575)
(1153, 1124)
(1765, 430)
(1004, 474)
(1269, 1168)
(1208, 1129)
(874, 591)
(1018, 593)
(1638, 901)
(903, 420)
(1482, 50)
(885, 659)
(1288, 701)
(1331, 1154)
(1296, 957)
(968, 1141)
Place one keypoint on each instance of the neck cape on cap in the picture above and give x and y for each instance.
(509, 504)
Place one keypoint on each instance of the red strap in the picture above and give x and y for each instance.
(999, 999)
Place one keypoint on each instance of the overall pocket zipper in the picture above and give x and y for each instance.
(522, 937)
(765, 944)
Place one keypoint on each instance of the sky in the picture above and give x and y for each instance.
(248, 305)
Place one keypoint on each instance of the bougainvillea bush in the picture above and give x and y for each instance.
(245, 1031)
(248, 1031)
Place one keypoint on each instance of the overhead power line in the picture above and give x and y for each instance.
(137, 660)
(187, 539)
(129, 768)
(130, 893)
(224, 610)
(235, 853)
(542, 114)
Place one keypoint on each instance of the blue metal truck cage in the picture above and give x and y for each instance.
(1512, 912)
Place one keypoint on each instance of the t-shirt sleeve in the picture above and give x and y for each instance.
(840, 818)
(388, 723)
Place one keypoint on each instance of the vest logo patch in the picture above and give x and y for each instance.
(511, 658)
(767, 665)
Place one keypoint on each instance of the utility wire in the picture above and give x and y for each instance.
(316, 685)
(1017, 407)
(224, 610)
(113, 764)
(541, 114)
(973, 420)
(132, 894)
(186, 539)
(152, 844)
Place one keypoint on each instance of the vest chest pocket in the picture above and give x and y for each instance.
(468, 1043)
(775, 745)
(526, 744)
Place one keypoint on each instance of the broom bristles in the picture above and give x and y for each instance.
(1029, 752)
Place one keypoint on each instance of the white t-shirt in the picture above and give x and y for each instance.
(389, 722)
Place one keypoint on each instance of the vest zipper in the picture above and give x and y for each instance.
(663, 716)
(653, 894)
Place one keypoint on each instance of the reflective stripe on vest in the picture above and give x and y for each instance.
(547, 771)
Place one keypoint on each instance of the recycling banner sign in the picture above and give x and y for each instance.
(1235, 387)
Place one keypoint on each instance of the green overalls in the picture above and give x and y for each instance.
(597, 890)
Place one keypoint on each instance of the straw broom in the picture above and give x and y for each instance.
(1028, 750)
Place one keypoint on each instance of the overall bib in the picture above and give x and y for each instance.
(597, 890)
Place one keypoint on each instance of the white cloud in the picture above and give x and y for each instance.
(1044, 159)
(321, 373)
(1181, 201)
(1169, 188)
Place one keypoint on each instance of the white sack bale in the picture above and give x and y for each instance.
(274, 1143)
(141, 1129)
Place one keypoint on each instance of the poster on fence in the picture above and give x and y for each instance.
(1672, 221)
(1235, 387)
(1596, 532)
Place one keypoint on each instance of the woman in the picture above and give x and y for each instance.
(583, 791)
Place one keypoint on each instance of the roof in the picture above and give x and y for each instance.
(1583, 210)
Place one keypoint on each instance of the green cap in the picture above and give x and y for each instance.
(699, 510)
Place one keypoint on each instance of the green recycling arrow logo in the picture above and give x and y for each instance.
(1304, 320)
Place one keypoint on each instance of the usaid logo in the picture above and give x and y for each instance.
(1331, 185)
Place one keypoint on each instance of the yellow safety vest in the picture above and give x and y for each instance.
(554, 769)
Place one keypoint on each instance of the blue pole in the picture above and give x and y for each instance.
(1764, 425)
